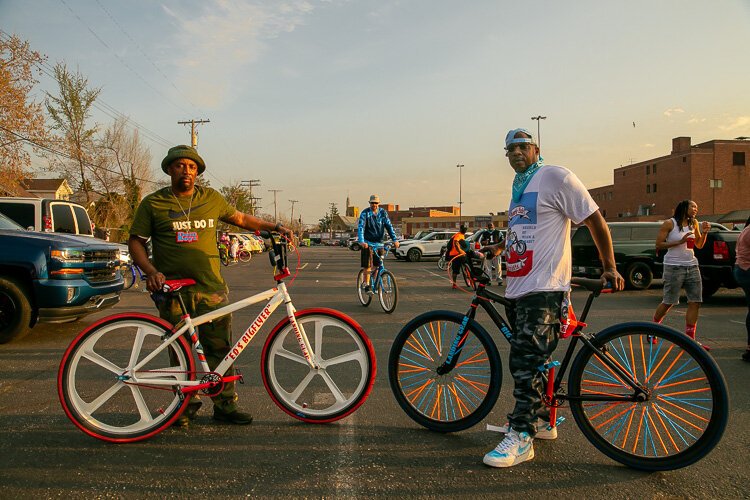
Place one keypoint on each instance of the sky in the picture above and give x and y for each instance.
(324, 99)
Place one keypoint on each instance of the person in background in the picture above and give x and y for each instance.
(371, 227)
(742, 276)
(234, 247)
(456, 253)
(493, 264)
(678, 236)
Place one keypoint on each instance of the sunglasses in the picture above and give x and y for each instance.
(524, 146)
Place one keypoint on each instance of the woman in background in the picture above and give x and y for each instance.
(678, 236)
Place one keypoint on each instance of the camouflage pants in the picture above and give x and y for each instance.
(536, 330)
(215, 337)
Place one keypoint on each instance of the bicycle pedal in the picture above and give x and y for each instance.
(547, 366)
(497, 428)
(241, 379)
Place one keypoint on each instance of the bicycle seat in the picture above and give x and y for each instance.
(174, 285)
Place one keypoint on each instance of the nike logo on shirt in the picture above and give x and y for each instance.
(173, 214)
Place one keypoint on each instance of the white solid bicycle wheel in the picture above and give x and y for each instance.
(96, 388)
(346, 370)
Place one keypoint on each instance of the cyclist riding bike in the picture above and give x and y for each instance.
(371, 228)
(456, 253)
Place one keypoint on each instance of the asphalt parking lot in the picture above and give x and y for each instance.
(377, 451)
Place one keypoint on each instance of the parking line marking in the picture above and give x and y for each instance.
(318, 266)
(303, 265)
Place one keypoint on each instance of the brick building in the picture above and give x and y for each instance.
(714, 174)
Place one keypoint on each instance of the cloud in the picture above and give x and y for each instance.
(740, 122)
(214, 45)
(671, 111)
(696, 119)
(648, 145)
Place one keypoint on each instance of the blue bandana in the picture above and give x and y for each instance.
(522, 179)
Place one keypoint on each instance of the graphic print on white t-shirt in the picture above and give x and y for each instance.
(520, 239)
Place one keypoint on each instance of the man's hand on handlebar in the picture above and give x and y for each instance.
(612, 279)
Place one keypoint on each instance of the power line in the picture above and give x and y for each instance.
(145, 55)
(122, 61)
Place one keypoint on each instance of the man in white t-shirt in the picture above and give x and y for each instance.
(544, 201)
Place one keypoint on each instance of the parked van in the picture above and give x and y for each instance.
(47, 215)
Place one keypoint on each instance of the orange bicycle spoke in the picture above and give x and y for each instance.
(627, 431)
(643, 357)
(610, 407)
(656, 368)
(600, 384)
(638, 433)
(478, 386)
(660, 398)
(418, 391)
(438, 339)
(436, 406)
(473, 360)
(419, 348)
(412, 368)
(656, 430)
(666, 429)
(632, 358)
(669, 368)
(459, 402)
(682, 419)
(613, 417)
(699, 379)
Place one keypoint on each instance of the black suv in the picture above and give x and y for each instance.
(634, 244)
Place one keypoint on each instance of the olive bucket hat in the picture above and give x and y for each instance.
(183, 151)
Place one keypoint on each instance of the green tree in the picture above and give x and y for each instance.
(70, 110)
(21, 118)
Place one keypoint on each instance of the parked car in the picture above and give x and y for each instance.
(53, 278)
(249, 242)
(48, 215)
(716, 259)
(429, 246)
(636, 257)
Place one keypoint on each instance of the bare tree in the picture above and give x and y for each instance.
(70, 111)
(125, 169)
(21, 118)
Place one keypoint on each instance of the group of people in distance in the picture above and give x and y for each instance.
(181, 221)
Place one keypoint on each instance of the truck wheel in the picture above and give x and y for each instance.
(15, 310)
(710, 287)
(414, 255)
(638, 276)
(356, 247)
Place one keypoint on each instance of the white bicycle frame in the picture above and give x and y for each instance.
(275, 295)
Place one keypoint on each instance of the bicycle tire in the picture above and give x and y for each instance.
(442, 263)
(362, 295)
(669, 430)
(224, 257)
(346, 359)
(388, 292)
(467, 393)
(466, 274)
(128, 276)
(244, 256)
(92, 385)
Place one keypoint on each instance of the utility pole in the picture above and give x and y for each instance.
(538, 119)
(291, 220)
(249, 185)
(193, 132)
(460, 200)
(274, 191)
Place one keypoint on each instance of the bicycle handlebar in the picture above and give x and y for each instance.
(277, 253)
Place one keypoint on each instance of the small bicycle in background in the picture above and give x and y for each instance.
(129, 376)
(132, 276)
(382, 282)
(658, 405)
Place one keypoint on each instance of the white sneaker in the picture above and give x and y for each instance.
(517, 447)
(543, 430)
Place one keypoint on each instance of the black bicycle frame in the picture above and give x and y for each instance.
(484, 299)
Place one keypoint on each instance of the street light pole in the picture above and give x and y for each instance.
(460, 200)
(538, 119)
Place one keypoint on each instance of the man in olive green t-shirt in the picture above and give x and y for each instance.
(181, 221)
